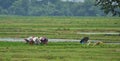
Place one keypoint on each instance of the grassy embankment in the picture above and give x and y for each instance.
(60, 27)
(63, 51)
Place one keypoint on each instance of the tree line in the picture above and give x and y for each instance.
(109, 6)
(49, 8)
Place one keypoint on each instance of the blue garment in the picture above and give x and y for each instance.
(84, 40)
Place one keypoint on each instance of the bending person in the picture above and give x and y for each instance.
(84, 40)
(29, 39)
(43, 40)
(36, 40)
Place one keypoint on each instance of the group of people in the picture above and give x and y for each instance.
(43, 40)
(35, 40)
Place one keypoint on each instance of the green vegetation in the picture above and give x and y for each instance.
(110, 6)
(49, 8)
(60, 27)
(62, 51)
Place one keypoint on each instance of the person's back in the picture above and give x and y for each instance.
(84, 40)
(36, 40)
(31, 42)
(43, 40)
(29, 39)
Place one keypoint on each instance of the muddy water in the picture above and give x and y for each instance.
(51, 40)
(12, 39)
(107, 33)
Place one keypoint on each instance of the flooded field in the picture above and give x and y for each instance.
(104, 33)
(52, 40)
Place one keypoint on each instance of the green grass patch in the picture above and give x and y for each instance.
(59, 27)
(62, 51)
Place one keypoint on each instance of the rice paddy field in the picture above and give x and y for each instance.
(60, 28)
(62, 51)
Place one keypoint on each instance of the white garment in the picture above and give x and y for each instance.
(40, 38)
(36, 40)
(29, 38)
